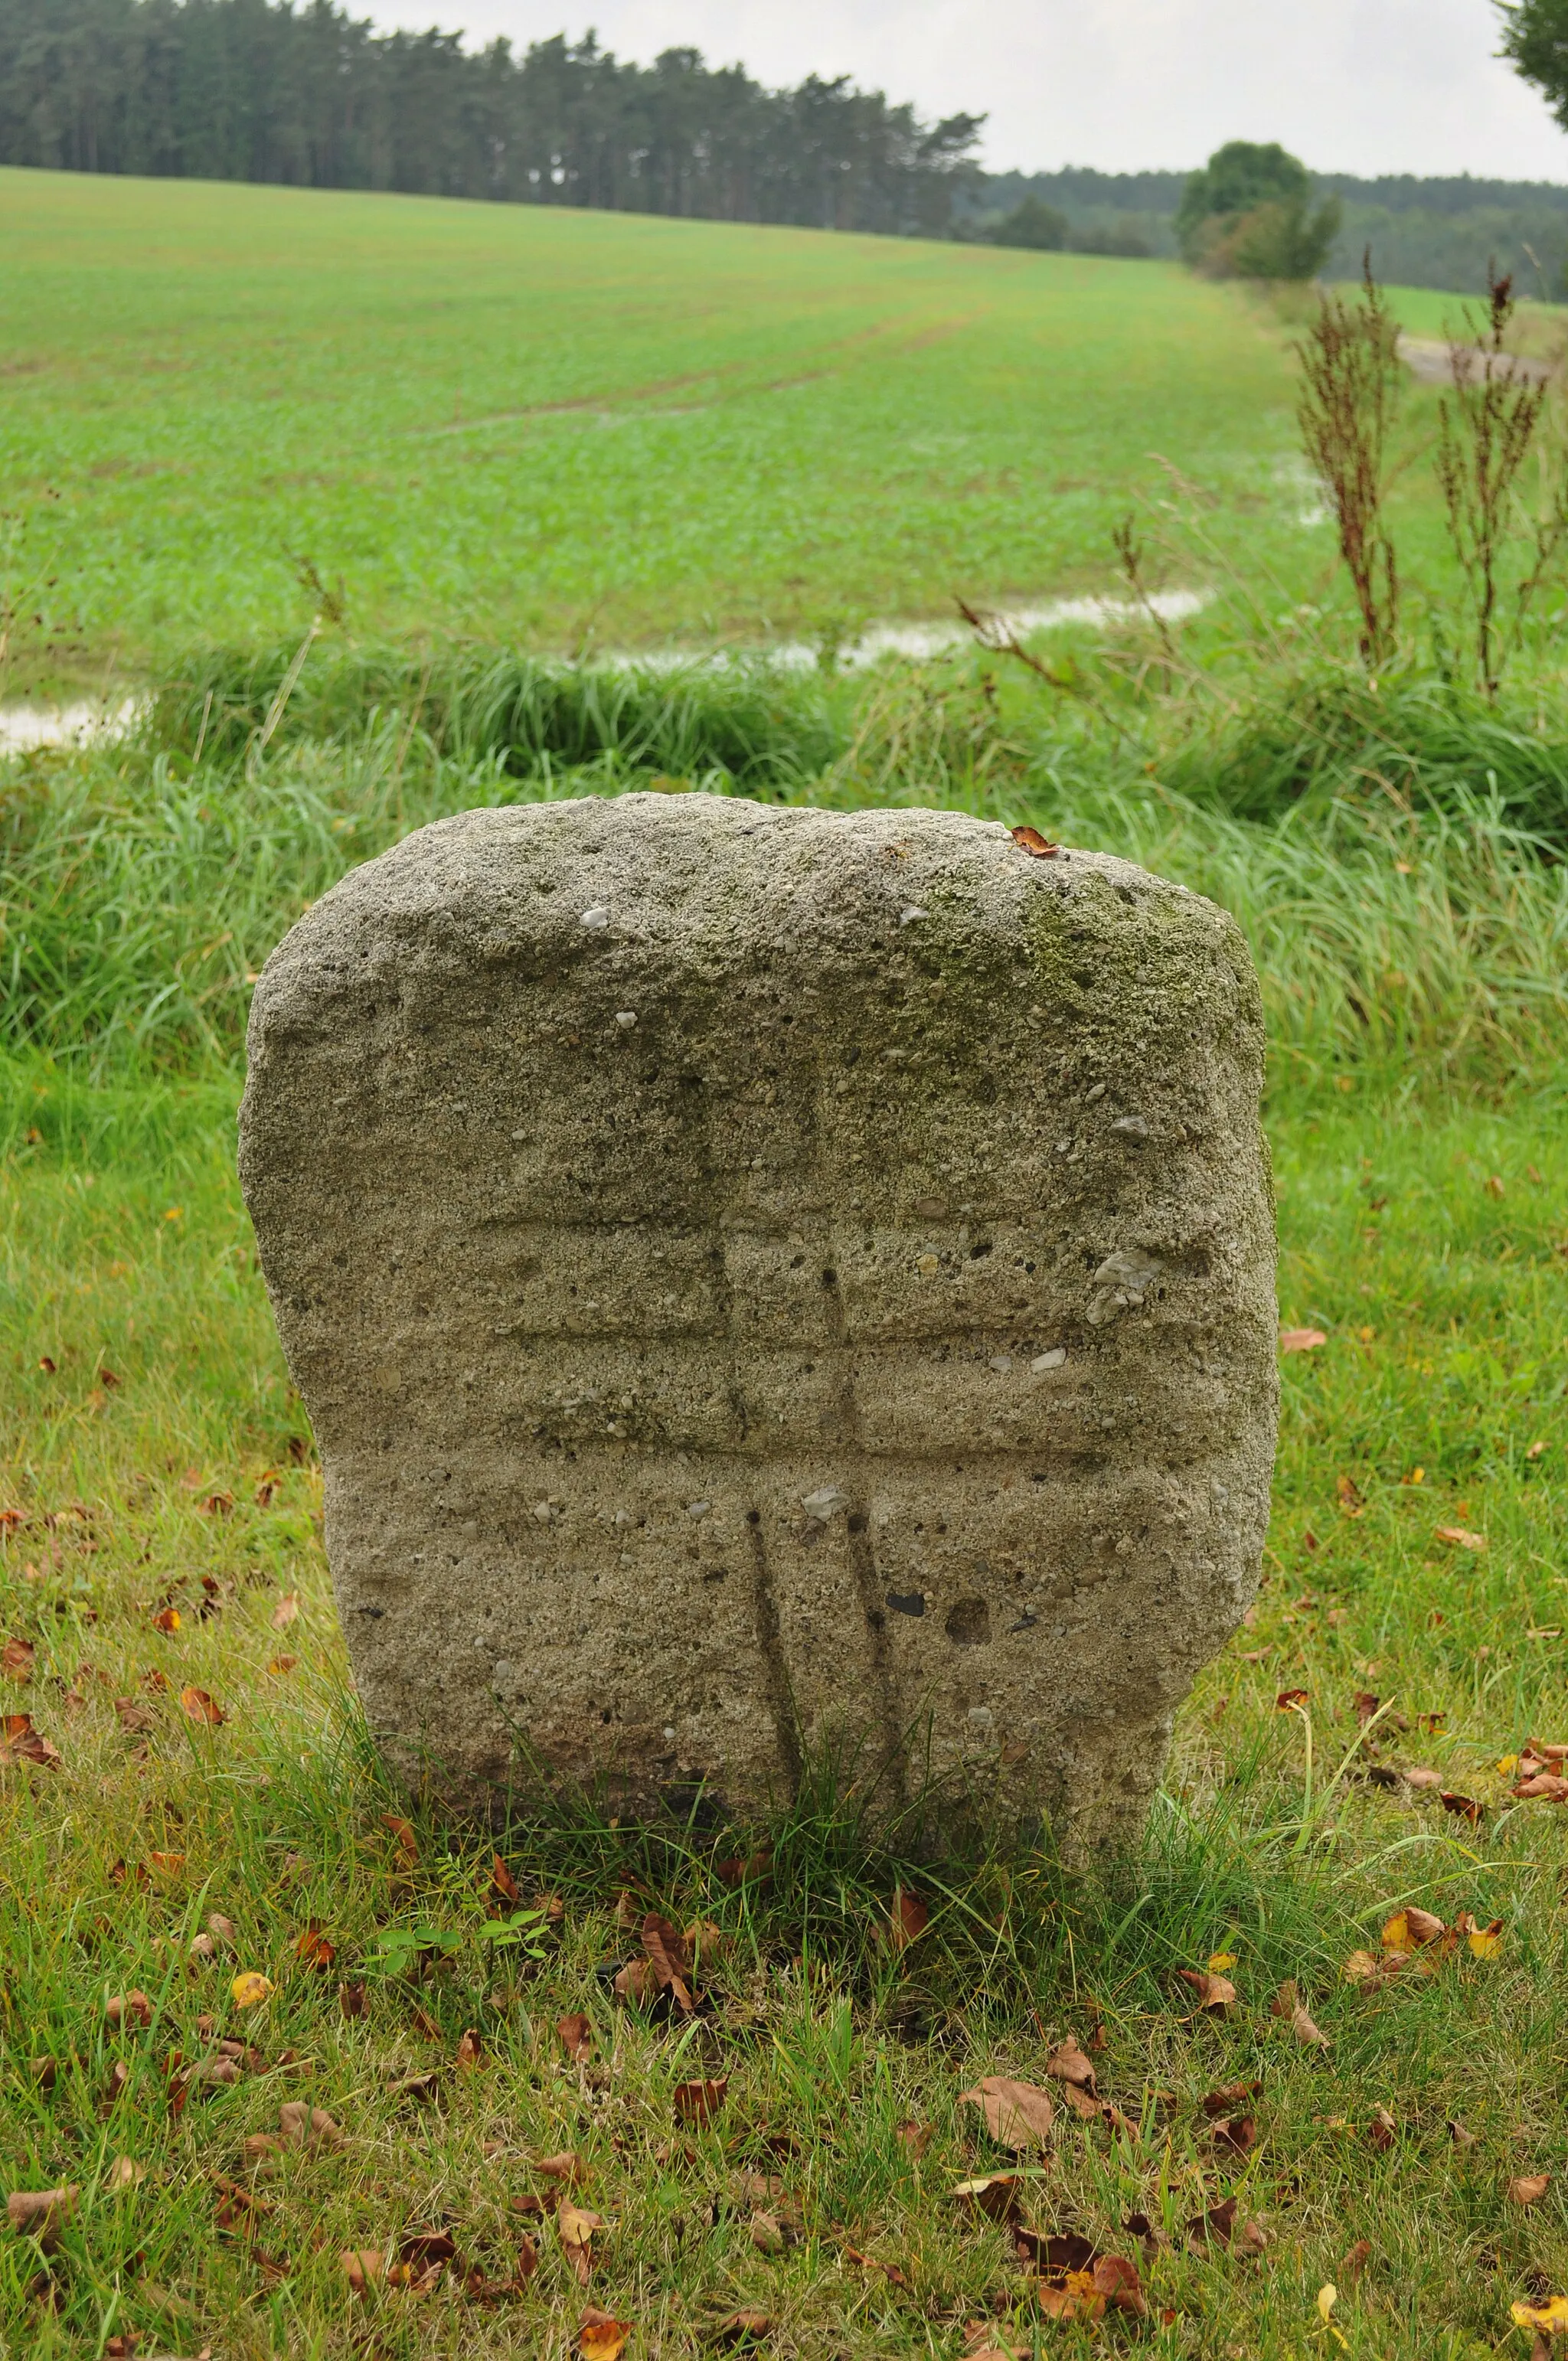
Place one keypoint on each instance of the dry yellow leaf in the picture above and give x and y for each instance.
(249, 1988)
(1550, 2318)
(600, 2338)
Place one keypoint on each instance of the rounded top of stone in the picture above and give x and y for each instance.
(698, 875)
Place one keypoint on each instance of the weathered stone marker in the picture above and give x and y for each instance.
(771, 1284)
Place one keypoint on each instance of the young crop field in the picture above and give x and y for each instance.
(317, 2072)
(584, 430)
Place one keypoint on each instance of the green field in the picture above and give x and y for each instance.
(512, 433)
(571, 428)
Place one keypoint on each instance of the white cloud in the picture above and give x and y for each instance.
(1351, 85)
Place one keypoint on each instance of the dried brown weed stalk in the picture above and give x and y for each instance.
(1487, 429)
(1349, 400)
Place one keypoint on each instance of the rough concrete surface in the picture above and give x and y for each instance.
(772, 1286)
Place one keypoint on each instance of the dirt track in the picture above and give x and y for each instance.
(1429, 359)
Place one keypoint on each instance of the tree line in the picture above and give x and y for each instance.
(259, 90)
(1437, 232)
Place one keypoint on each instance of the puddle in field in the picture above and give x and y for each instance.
(23, 727)
(913, 640)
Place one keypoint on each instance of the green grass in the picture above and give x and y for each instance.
(125, 1249)
(564, 427)
(697, 432)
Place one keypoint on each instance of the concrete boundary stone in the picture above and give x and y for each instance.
(771, 1285)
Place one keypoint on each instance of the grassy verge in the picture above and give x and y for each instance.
(1393, 856)
(820, 2196)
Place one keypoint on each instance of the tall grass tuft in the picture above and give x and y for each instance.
(474, 705)
(1391, 852)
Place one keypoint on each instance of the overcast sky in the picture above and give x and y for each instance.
(1351, 85)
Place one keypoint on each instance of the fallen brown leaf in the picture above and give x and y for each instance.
(42, 2213)
(575, 2037)
(1409, 1929)
(1053, 2252)
(20, 1742)
(998, 2195)
(890, 2271)
(503, 1884)
(575, 2227)
(1213, 1992)
(128, 2008)
(1018, 2114)
(527, 2261)
(1225, 2101)
(1288, 1699)
(1116, 2278)
(698, 2103)
(351, 1998)
(635, 1981)
(1237, 2135)
(303, 2126)
(1356, 2261)
(737, 1870)
(908, 1918)
(197, 1706)
(1351, 1499)
(667, 1957)
(279, 1665)
(742, 2328)
(363, 2268)
(1529, 2188)
(767, 2231)
(1068, 2064)
(1286, 2003)
(422, 2247)
(313, 1948)
(403, 1837)
(1213, 2228)
(914, 2140)
(124, 2173)
(1380, 2131)
(567, 2168)
(470, 2052)
(1460, 1538)
(16, 1659)
(601, 2337)
(238, 2210)
(285, 1611)
(1301, 1340)
(422, 2086)
(1464, 1807)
